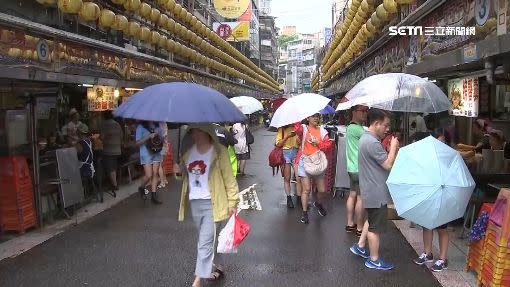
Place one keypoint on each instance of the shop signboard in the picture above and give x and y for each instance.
(101, 98)
(231, 9)
(233, 31)
(464, 96)
(502, 12)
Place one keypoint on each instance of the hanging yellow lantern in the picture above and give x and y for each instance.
(370, 26)
(170, 25)
(163, 40)
(132, 5)
(155, 36)
(182, 14)
(145, 10)
(390, 6)
(120, 23)
(133, 29)
(163, 20)
(14, 52)
(107, 18)
(119, 2)
(402, 2)
(155, 13)
(70, 6)
(358, 18)
(186, 35)
(177, 10)
(170, 4)
(90, 11)
(170, 44)
(375, 20)
(381, 12)
(144, 34)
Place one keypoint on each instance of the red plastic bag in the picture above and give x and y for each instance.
(241, 230)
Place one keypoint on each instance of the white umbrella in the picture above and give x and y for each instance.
(247, 105)
(298, 108)
(397, 92)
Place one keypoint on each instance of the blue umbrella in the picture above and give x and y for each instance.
(180, 102)
(430, 183)
(328, 110)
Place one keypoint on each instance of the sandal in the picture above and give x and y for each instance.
(358, 233)
(350, 228)
(216, 275)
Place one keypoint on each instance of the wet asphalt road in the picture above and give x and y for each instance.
(137, 244)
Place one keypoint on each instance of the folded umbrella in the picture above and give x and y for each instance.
(298, 108)
(247, 105)
(180, 102)
(429, 183)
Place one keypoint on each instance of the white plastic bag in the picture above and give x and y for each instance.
(226, 237)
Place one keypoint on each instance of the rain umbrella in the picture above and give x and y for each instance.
(397, 92)
(430, 183)
(328, 110)
(298, 108)
(180, 102)
(247, 105)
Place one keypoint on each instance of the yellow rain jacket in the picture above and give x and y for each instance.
(222, 183)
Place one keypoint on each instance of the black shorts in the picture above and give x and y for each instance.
(110, 163)
(354, 179)
(243, 156)
(377, 219)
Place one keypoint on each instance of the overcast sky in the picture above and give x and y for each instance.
(308, 15)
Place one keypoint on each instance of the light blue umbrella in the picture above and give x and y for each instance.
(430, 183)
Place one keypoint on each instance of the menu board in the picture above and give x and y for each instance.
(464, 96)
(101, 98)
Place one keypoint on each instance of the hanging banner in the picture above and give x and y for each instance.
(502, 12)
(101, 98)
(231, 9)
(464, 95)
(247, 14)
(233, 31)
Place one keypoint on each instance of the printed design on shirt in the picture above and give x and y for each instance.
(197, 168)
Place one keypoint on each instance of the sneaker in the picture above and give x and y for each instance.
(360, 251)
(440, 265)
(304, 218)
(350, 228)
(424, 258)
(290, 204)
(320, 209)
(378, 264)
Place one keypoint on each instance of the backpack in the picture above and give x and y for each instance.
(276, 159)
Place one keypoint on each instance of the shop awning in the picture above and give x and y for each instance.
(457, 60)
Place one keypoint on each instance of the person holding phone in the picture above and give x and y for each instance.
(150, 161)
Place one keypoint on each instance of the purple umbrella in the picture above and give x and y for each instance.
(327, 110)
(180, 102)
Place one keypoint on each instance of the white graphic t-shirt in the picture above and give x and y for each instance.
(198, 166)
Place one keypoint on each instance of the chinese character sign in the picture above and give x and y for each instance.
(464, 94)
(101, 98)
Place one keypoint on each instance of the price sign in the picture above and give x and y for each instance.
(482, 11)
(43, 50)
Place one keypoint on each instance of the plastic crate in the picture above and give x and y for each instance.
(13, 167)
(476, 248)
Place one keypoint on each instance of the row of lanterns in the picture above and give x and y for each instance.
(89, 11)
(352, 36)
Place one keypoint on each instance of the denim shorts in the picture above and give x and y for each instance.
(150, 158)
(301, 168)
(289, 155)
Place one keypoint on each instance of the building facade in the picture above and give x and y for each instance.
(268, 46)
(297, 63)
